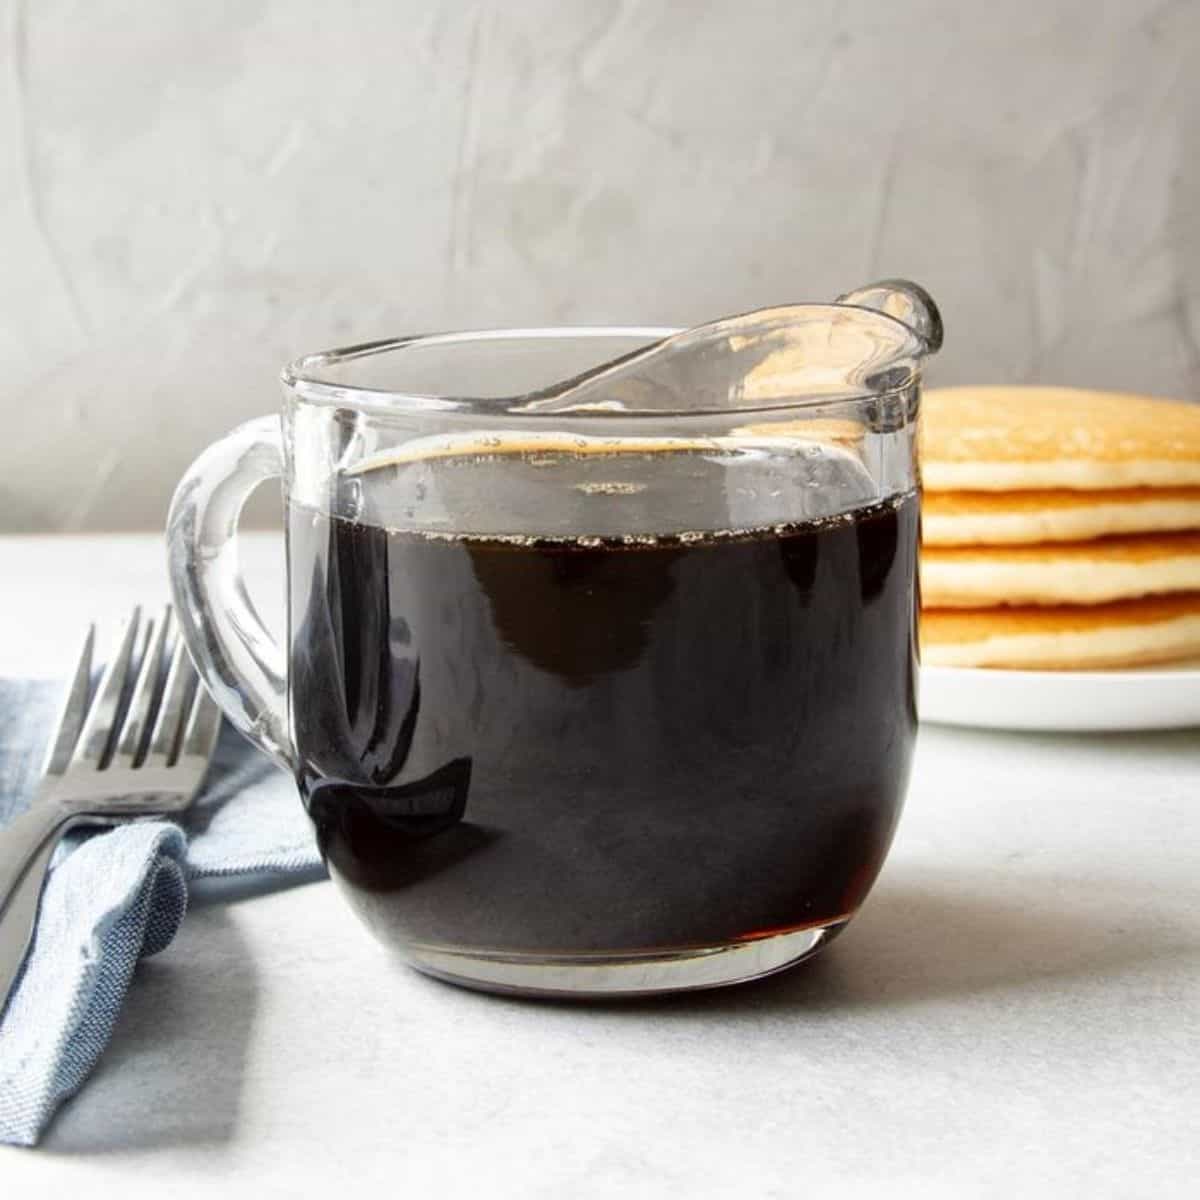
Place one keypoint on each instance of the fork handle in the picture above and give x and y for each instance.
(26, 847)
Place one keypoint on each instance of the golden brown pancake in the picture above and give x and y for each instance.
(1004, 518)
(1017, 438)
(813, 429)
(1125, 633)
(1060, 573)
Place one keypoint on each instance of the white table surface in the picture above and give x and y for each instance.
(1015, 1013)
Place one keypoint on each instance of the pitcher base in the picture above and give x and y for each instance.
(598, 976)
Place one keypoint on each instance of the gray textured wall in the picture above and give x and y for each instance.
(192, 193)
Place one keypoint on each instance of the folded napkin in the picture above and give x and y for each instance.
(118, 895)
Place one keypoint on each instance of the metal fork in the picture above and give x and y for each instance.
(100, 773)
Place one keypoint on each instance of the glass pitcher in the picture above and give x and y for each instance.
(600, 662)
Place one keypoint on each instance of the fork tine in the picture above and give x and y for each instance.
(74, 709)
(97, 729)
(203, 726)
(181, 677)
(137, 719)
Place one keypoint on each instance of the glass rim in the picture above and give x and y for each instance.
(301, 378)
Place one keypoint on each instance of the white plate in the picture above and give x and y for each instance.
(1166, 697)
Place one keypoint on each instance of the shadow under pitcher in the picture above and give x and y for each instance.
(601, 661)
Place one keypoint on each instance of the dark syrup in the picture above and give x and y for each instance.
(596, 745)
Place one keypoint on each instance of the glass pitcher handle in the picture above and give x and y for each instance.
(236, 656)
(909, 303)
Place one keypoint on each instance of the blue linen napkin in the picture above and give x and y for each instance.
(117, 896)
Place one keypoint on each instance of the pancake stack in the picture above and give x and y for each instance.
(1061, 529)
